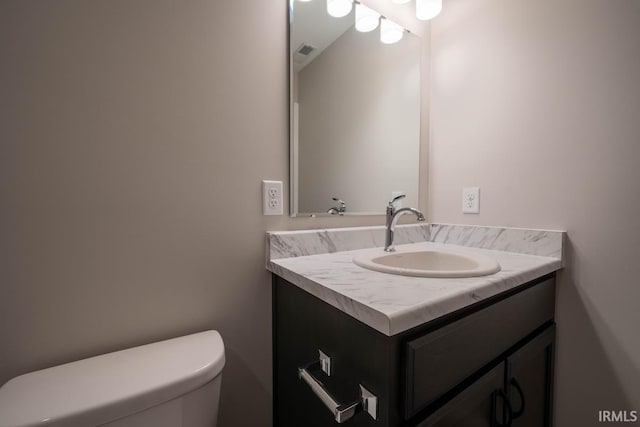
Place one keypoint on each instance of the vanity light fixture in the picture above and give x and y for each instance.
(428, 9)
(390, 32)
(366, 18)
(339, 8)
(425, 9)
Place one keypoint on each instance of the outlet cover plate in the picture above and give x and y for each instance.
(272, 197)
(471, 200)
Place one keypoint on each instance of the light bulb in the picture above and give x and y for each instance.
(390, 32)
(428, 9)
(366, 18)
(400, 1)
(339, 8)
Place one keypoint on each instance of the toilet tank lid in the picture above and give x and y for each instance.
(104, 388)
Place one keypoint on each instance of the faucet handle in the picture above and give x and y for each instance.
(342, 205)
(395, 199)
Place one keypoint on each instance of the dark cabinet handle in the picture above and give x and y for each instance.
(508, 417)
(516, 385)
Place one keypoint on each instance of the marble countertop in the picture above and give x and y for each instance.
(391, 303)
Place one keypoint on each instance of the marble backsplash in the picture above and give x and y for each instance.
(288, 244)
(531, 242)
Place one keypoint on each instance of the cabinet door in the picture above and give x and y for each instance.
(529, 381)
(476, 406)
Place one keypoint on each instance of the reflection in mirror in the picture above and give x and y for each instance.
(355, 114)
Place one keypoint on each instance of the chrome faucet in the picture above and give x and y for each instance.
(338, 210)
(392, 218)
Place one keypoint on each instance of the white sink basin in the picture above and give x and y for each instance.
(429, 263)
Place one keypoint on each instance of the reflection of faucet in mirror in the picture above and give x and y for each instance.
(338, 210)
(392, 218)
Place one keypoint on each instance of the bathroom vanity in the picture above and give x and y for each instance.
(367, 348)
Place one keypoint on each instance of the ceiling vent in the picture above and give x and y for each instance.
(305, 49)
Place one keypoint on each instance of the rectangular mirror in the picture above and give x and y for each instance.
(355, 114)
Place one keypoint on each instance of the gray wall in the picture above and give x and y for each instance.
(133, 138)
(538, 103)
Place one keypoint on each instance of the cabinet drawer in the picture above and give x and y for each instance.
(440, 360)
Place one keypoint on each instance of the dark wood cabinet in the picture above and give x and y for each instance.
(529, 381)
(477, 405)
(489, 364)
(516, 393)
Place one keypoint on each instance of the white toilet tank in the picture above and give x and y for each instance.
(173, 383)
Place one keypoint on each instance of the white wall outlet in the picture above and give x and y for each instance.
(271, 197)
(471, 200)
